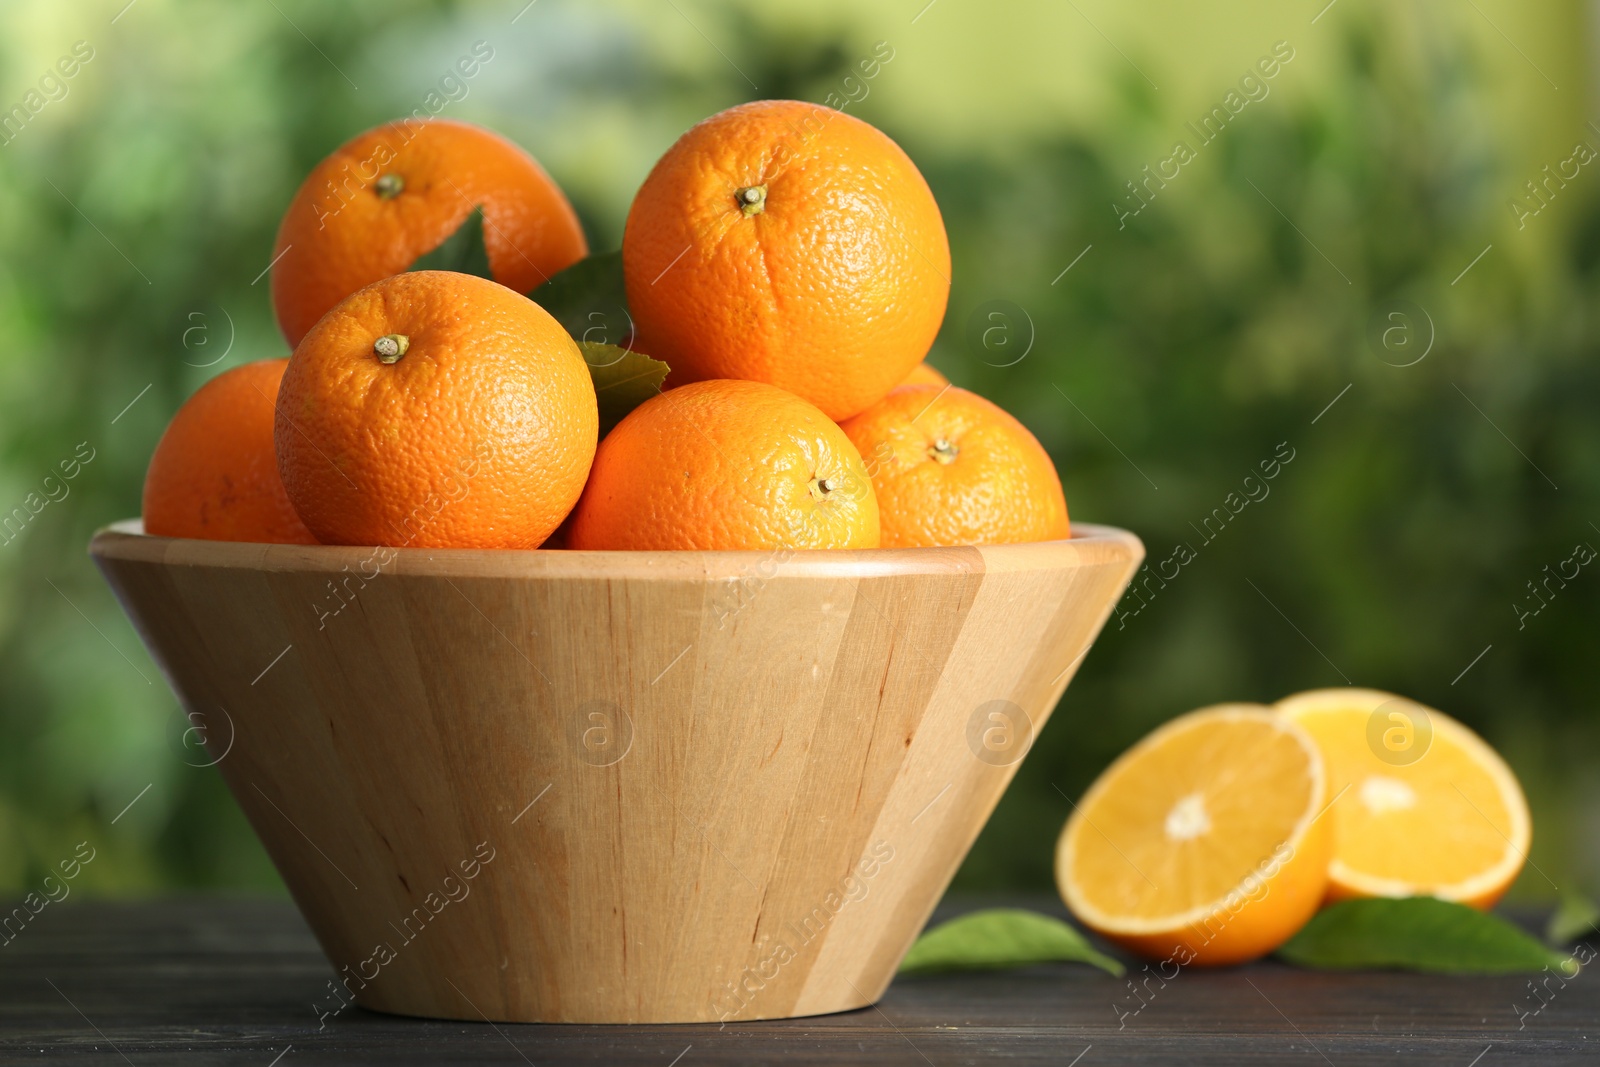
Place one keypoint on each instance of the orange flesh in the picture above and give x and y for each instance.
(1136, 860)
(1451, 822)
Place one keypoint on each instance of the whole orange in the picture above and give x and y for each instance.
(394, 193)
(213, 474)
(951, 468)
(791, 244)
(436, 409)
(726, 465)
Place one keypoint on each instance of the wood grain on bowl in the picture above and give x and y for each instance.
(617, 787)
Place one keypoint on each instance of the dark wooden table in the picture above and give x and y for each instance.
(227, 981)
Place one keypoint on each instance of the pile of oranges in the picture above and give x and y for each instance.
(785, 270)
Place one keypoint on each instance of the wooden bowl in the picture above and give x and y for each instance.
(616, 786)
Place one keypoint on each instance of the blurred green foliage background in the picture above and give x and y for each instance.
(1373, 178)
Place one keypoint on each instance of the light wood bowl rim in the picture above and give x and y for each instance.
(1089, 544)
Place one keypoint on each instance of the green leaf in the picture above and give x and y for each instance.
(1417, 934)
(1002, 937)
(622, 380)
(589, 299)
(462, 252)
(1575, 917)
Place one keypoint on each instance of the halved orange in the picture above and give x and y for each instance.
(1428, 809)
(1202, 843)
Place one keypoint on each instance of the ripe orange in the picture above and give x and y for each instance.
(1202, 843)
(436, 409)
(924, 374)
(1427, 807)
(951, 468)
(394, 193)
(726, 464)
(214, 474)
(788, 243)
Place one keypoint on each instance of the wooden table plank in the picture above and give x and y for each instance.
(230, 981)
